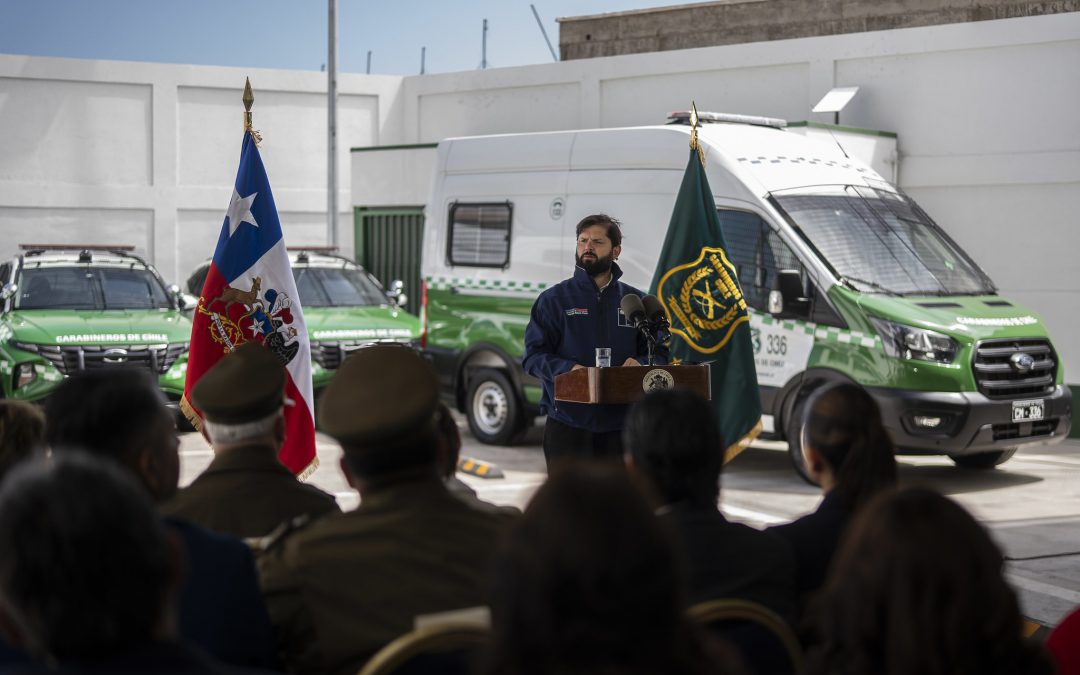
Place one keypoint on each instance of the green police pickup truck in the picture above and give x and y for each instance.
(345, 307)
(66, 309)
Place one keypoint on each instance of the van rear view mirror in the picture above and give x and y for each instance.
(788, 298)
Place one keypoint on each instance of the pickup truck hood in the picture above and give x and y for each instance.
(360, 323)
(79, 327)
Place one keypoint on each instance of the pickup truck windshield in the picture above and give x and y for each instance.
(93, 288)
(336, 287)
(881, 242)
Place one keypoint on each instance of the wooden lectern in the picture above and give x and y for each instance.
(626, 384)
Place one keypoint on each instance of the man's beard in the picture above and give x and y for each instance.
(594, 265)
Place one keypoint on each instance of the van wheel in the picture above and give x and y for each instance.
(494, 411)
(983, 460)
(793, 433)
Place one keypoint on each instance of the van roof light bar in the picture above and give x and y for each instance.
(683, 117)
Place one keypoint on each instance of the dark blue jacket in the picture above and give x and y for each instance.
(568, 322)
(221, 605)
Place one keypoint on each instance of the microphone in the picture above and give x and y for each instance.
(634, 311)
(655, 311)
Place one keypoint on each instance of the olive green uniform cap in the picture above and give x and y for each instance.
(380, 393)
(247, 385)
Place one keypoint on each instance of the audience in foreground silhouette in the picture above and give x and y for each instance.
(120, 415)
(672, 439)
(89, 574)
(917, 589)
(345, 585)
(849, 454)
(588, 582)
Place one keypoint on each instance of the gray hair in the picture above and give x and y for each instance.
(220, 433)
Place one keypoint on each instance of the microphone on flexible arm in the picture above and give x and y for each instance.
(656, 316)
(634, 311)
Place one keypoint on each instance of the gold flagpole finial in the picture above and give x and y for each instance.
(694, 145)
(249, 99)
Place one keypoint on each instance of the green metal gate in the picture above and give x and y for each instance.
(388, 245)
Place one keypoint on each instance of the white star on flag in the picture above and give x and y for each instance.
(240, 211)
(255, 327)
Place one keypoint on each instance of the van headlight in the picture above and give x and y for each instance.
(908, 342)
(24, 374)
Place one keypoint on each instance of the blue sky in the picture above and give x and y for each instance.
(293, 33)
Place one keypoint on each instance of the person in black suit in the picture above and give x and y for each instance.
(671, 438)
(119, 414)
(849, 454)
(106, 608)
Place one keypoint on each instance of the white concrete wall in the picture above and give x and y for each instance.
(986, 114)
(104, 152)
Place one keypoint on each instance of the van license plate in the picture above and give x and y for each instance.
(1024, 411)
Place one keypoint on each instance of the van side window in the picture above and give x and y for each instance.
(5, 273)
(758, 254)
(479, 235)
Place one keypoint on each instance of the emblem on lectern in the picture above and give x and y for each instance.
(657, 379)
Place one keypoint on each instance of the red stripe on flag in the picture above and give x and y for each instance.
(298, 452)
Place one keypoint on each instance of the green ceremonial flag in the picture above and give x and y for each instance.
(710, 323)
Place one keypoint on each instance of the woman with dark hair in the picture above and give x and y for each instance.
(587, 582)
(849, 454)
(917, 589)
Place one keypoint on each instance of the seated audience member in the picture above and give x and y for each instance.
(449, 453)
(246, 491)
(119, 414)
(1064, 643)
(88, 573)
(671, 438)
(588, 581)
(345, 585)
(917, 589)
(849, 454)
(22, 433)
(22, 436)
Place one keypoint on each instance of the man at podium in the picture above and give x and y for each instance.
(579, 323)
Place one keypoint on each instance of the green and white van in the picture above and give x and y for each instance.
(66, 309)
(345, 307)
(847, 278)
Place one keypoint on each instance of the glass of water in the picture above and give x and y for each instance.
(603, 357)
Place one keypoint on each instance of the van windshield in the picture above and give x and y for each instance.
(336, 287)
(83, 287)
(879, 241)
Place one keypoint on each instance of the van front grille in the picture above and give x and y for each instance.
(1001, 373)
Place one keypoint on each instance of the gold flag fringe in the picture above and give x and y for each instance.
(743, 443)
(190, 414)
(308, 470)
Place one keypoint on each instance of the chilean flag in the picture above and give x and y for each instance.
(250, 294)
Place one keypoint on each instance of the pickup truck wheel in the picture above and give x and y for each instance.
(493, 409)
(983, 460)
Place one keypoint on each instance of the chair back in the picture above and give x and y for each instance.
(766, 643)
(443, 649)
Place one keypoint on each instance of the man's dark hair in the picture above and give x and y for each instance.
(674, 440)
(109, 412)
(85, 568)
(614, 227)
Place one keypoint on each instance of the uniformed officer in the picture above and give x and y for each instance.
(344, 586)
(246, 491)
